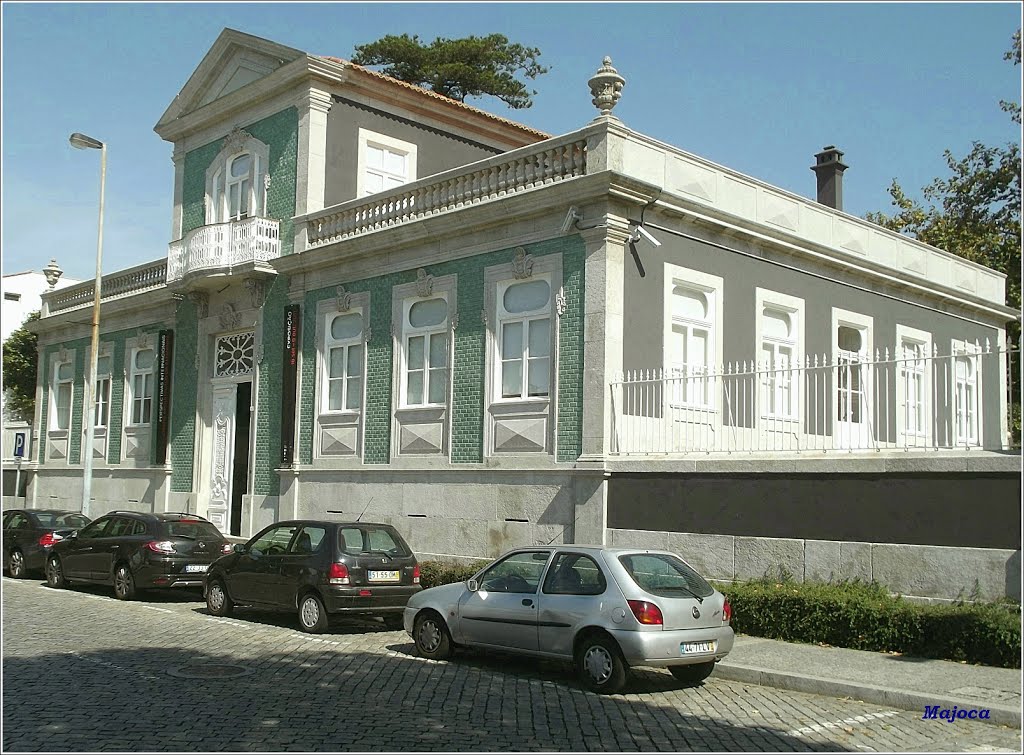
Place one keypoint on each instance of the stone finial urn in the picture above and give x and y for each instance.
(606, 86)
(52, 273)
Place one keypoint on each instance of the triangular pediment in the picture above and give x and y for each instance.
(235, 60)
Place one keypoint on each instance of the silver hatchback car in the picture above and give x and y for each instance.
(605, 609)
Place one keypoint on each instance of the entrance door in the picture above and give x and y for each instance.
(229, 470)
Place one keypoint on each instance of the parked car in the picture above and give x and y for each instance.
(605, 609)
(136, 551)
(30, 533)
(318, 568)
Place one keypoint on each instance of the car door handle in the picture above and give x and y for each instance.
(527, 602)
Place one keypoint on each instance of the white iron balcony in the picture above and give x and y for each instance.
(224, 248)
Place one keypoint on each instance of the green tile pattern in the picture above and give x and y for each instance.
(469, 360)
(184, 394)
(280, 132)
(267, 438)
(77, 403)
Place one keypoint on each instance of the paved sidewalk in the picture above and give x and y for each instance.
(880, 678)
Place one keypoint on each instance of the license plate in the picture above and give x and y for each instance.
(384, 576)
(196, 567)
(690, 648)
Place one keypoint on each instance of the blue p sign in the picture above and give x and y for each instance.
(19, 445)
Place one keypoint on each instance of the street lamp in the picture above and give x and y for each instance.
(81, 141)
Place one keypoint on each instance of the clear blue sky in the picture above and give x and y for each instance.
(756, 87)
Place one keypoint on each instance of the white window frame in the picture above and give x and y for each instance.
(56, 384)
(794, 307)
(906, 370)
(329, 343)
(713, 288)
(217, 198)
(389, 143)
(409, 332)
(865, 324)
(103, 394)
(506, 318)
(959, 350)
(131, 397)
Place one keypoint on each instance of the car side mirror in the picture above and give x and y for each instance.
(472, 585)
(73, 535)
(238, 548)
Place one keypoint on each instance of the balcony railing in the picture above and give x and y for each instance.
(927, 401)
(506, 174)
(224, 246)
(117, 285)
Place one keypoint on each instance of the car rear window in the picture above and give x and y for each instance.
(357, 540)
(664, 574)
(54, 519)
(194, 528)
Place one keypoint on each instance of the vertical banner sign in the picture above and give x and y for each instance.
(289, 380)
(165, 346)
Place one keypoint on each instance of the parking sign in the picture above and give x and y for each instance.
(19, 445)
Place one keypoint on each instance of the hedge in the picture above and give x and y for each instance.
(853, 614)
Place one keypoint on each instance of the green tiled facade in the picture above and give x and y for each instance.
(280, 132)
(184, 394)
(267, 431)
(467, 413)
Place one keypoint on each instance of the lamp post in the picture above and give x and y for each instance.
(81, 141)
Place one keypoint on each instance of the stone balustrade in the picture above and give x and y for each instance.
(222, 246)
(134, 280)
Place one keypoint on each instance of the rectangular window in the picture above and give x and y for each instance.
(101, 416)
(852, 345)
(343, 362)
(141, 386)
(913, 385)
(383, 163)
(425, 366)
(966, 389)
(63, 385)
(524, 339)
(691, 346)
(779, 330)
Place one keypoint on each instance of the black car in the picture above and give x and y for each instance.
(318, 568)
(30, 533)
(135, 551)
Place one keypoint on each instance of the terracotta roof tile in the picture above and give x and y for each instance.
(436, 96)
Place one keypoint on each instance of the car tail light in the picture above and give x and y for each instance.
(646, 613)
(416, 574)
(164, 547)
(49, 539)
(726, 612)
(226, 548)
(338, 575)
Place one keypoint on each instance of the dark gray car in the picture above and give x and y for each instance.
(29, 534)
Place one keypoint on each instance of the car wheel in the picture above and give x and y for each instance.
(312, 615)
(16, 565)
(600, 665)
(694, 673)
(124, 583)
(217, 600)
(394, 621)
(55, 573)
(432, 637)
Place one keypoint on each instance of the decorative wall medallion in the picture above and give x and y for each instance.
(236, 140)
(455, 320)
(367, 334)
(235, 354)
(63, 355)
(343, 299)
(259, 353)
(560, 301)
(394, 331)
(257, 292)
(229, 317)
(142, 339)
(266, 180)
(483, 316)
(201, 302)
(424, 283)
(522, 264)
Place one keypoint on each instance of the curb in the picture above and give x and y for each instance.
(907, 700)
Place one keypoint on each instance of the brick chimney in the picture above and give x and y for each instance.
(829, 170)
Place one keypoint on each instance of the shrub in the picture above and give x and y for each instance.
(434, 573)
(864, 616)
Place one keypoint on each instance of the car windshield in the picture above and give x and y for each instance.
(362, 539)
(61, 519)
(665, 575)
(192, 528)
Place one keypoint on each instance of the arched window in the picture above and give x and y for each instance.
(236, 180)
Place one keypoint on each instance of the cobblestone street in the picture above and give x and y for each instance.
(83, 671)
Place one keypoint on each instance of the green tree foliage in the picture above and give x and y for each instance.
(975, 212)
(20, 359)
(457, 68)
